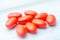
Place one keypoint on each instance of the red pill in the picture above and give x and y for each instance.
(14, 14)
(11, 23)
(30, 12)
(39, 23)
(21, 30)
(24, 19)
(51, 20)
(42, 16)
(31, 27)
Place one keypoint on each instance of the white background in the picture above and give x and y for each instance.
(49, 6)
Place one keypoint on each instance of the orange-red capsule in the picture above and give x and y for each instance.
(30, 12)
(24, 19)
(14, 14)
(39, 23)
(31, 27)
(11, 23)
(42, 16)
(21, 30)
(51, 20)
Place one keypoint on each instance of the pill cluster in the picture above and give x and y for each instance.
(29, 22)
